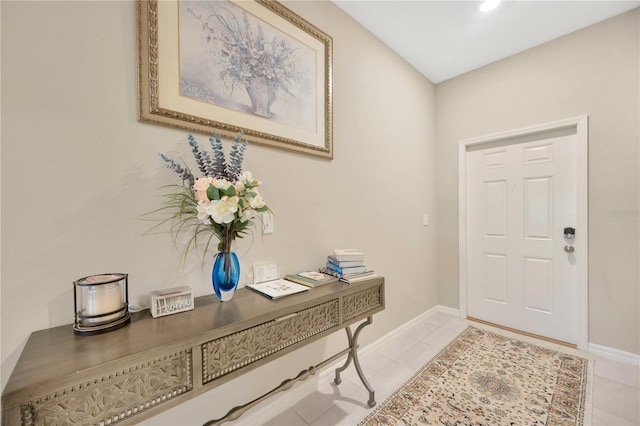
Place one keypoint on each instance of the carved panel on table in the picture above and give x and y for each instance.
(110, 399)
(224, 355)
(362, 302)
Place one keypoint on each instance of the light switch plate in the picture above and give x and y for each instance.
(267, 223)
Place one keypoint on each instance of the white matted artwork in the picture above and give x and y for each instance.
(221, 65)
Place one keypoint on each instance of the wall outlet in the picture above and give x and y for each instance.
(425, 219)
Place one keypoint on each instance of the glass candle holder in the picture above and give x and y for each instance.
(101, 303)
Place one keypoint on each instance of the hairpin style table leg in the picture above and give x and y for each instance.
(353, 355)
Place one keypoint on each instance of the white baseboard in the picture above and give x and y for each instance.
(447, 310)
(614, 354)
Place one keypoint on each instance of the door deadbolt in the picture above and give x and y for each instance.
(569, 233)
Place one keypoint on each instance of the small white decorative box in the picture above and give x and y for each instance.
(170, 301)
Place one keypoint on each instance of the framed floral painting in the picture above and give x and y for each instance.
(231, 65)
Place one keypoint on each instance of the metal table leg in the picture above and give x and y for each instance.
(353, 355)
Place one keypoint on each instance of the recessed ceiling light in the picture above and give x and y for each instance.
(489, 5)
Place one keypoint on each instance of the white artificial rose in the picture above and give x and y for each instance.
(223, 210)
(248, 214)
(256, 202)
(232, 202)
(222, 184)
(248, 179)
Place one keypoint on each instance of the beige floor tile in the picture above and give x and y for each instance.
(391, 377)
(420, 331)
(617, 398)
(315, 405)
(440, 338)
(418, 356)
(371, 363)
(457, 324)
(617, 371)
(603, 418)
(438, 318)
(286, 418)
(396, 347)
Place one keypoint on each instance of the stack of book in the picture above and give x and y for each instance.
(347, 265)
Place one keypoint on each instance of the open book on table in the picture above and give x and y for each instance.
(277, 288)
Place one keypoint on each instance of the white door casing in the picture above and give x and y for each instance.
(517, 191)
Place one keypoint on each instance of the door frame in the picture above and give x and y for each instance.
(581, 124)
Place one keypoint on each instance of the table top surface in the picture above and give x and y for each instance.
(58, 352)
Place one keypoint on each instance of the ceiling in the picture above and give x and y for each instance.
(443, 39)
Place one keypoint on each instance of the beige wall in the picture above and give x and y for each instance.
(594, 72)
(78, 170)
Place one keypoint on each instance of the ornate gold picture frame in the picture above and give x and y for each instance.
(231, 65)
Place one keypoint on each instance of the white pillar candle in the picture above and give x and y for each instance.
(100, 299)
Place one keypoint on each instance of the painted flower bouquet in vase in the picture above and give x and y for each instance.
(222, 203)
(247, 57)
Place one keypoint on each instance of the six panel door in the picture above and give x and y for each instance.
(521, 194)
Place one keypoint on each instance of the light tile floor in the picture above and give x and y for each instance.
(615, 398)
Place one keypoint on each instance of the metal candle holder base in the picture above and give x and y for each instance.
(102, 328)
(101, 303)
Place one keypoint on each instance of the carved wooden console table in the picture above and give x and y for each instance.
(151, 365)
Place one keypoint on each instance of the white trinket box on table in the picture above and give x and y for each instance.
(170, 301)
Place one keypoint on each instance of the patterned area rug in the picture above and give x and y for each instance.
(483, 378)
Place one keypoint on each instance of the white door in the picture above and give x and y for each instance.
(521, 194)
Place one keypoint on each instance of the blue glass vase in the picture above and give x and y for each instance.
(225, 275)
